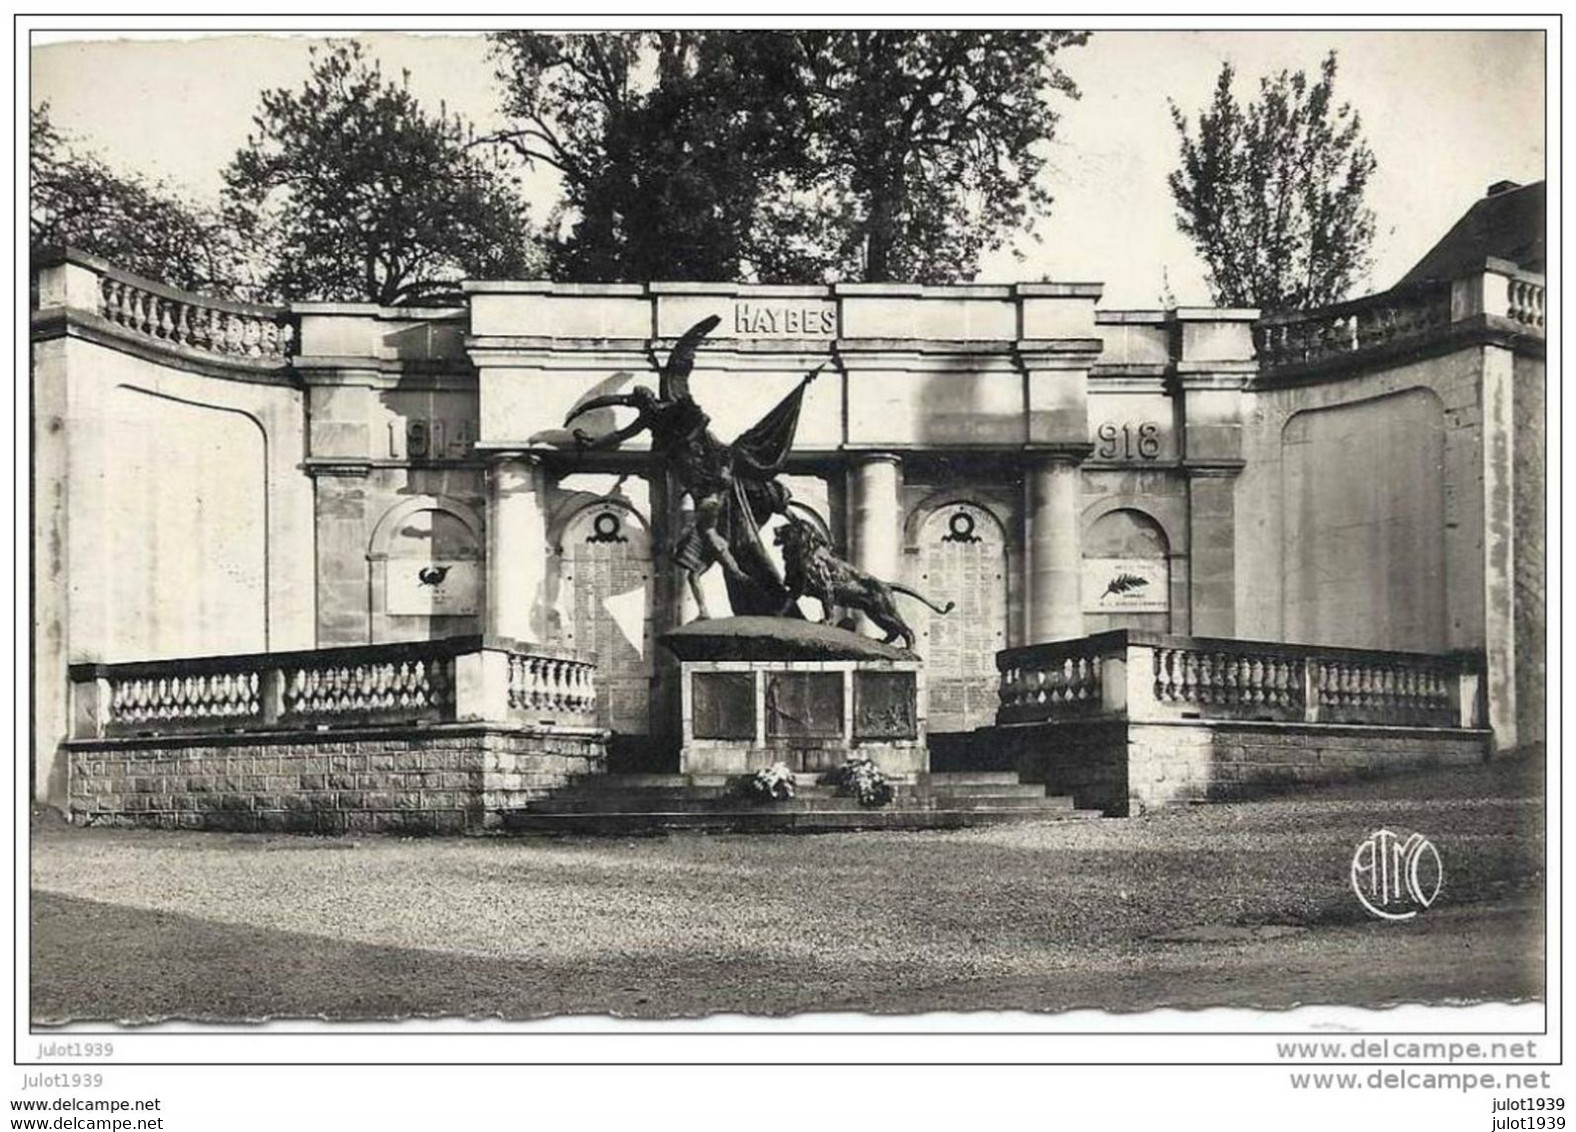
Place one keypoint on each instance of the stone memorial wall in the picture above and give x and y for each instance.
(300, 451)
(605, 575)
(963, 559)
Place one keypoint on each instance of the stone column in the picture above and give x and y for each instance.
(516, 548)
(1053, 561)
(875, 513)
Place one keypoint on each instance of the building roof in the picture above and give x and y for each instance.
(1509, 223)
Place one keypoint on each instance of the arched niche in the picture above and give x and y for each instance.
(1127, 580)
(603, 610)
(426, 576)
(962, 558)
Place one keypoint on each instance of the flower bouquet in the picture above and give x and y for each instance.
(769, 784)
(862, 779)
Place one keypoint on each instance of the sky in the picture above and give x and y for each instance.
(1446, 113)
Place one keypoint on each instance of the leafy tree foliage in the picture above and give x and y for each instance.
(1271, 193)
(141, 226)
(786, 156)
(668, 144)
(935, 142)
(350, 190)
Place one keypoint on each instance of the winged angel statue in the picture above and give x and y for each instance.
(734, 486)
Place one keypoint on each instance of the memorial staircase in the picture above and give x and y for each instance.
(656, 803)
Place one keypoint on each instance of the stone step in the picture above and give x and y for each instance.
(974, 778)
(808, 779)
(988, 789)
(707, 799)
(622, 804)
(633, 781)
(1005, 802)
(655, 797)
(568, 804)
(802, 781)
(653, 794)
(678, 794)
(774, 821)
(815, 790)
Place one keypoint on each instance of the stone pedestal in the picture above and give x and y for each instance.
(756, 691)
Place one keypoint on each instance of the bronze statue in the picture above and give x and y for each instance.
(815, 570)
(734, 486)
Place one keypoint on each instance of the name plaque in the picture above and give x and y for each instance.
(756, 319)
(1126, 585)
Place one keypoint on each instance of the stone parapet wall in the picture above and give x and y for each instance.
(1530, 478)
(459, 779)
(1127, 768)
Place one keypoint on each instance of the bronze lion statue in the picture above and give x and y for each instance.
(811, 569)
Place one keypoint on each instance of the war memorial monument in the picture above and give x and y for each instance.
(339, 567)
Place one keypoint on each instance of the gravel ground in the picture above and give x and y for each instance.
(143, 925)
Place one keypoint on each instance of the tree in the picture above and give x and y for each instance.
(141, 226)
(786, 156)
(1271, 194)
(935, 141)
(668, 146)
(351, 190)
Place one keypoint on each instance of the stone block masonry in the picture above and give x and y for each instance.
(1086, 760)
(1126, 768)
(423, 780)
(1126, 721)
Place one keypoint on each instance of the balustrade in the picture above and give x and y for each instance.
(405, 683)
(556, 685)
(1420, 692)
(1307, 337)
(1164, 677)
(1303, 338)
(326, 690)
(209, 325)
(216, 699)
(1230, 682)
(1524, 302)
(1061, 680)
